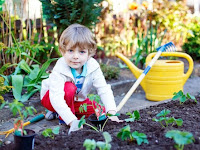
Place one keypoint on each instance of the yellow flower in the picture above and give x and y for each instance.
(133, 6)
(145, 4)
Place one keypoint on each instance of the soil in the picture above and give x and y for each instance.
(189, 112)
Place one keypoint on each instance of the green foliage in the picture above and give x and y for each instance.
(66, 12)
(182, 97)
(3, 89)
(192, 44)
(147, 43)
(110, 72)
(51, 132)
(27, 77)
(133, 116)
(92, 144)
(167, 120)
(125, 134)
(180, 138)
(17, 107)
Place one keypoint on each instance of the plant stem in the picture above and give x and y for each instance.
(91, 127)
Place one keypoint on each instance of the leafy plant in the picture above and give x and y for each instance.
(83, 122)
(97, 106)
(110, 72)
(51, 132)
(3, 89)
(182, 97)
(125, 134)
(64, 13)
(167, 120)
(180, 138)
(133, 116)
(147, 43)
(27, 77)
(17, 107)
(92, 144)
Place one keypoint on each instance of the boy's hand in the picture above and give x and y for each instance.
(74, 126)
(114, 118)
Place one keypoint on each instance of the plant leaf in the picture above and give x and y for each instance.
(17, 83)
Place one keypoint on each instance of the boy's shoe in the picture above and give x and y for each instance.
(51, 115)
(61, 122)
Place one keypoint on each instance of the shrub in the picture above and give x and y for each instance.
(192, 45)
(3, 89)
(110, 72)
(66, 12)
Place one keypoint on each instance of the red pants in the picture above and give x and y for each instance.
(70, 90)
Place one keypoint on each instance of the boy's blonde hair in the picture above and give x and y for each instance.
(77, 35)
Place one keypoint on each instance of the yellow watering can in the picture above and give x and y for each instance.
(165, 76)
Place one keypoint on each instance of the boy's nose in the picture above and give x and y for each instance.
(76, 55)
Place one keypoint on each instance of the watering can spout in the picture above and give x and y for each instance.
(135, 70)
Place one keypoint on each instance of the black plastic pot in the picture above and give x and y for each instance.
(93, 119)
(25, 142)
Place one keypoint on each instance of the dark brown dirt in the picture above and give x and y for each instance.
(189, 112)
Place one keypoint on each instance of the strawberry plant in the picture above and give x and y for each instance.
(182, 97)
(125, 134)
(133, 116)
(17, 107)
(83, 122)
(92, 144)
(97, 106)
(180, 138)
(167, 120)
(51, 132)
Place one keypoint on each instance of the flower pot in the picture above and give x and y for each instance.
(25, 142)
(93, 119)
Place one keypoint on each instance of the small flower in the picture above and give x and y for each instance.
(133, 6)
(145, 4)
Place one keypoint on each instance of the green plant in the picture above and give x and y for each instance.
(97, 106)
(147, 43)
(92, 144)
(27, 77)
(180, 138)
(64, 13)
(51, 132)
(110, 72)
(3, 89)
(167, 120)
(17, 107)
(133, 116)
(192, 44)
(125, 134)
(182, 97)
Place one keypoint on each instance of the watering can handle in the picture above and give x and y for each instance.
(176, 54)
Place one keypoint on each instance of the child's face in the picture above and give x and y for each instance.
(76, 58)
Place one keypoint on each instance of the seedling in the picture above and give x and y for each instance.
(183, 98)
(180, 138)
(51, 132)
(17, 107)
(83, 122)
(92, 144)
(167, 120)
(133, 116)
(96, 105)
(125, 134)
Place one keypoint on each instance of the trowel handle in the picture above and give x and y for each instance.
(176, 54)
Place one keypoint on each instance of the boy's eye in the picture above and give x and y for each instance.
(70, 50)
(82, 52)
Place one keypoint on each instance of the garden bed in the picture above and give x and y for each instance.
(189, 112)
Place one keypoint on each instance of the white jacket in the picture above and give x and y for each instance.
(93, 79)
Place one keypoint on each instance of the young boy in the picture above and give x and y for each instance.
(72, 78)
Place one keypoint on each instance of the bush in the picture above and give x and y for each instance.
(192, 46)
(110, 72)
(66, 12)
